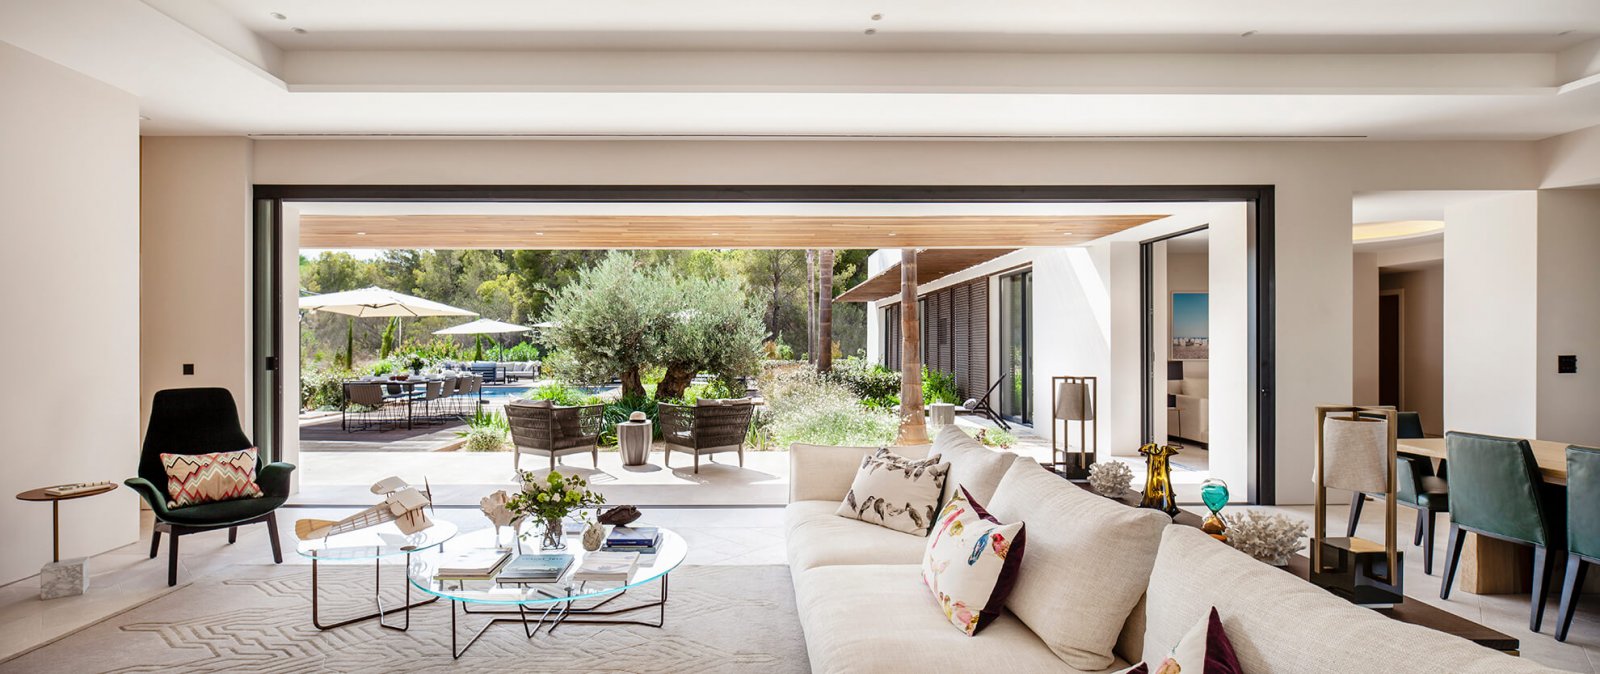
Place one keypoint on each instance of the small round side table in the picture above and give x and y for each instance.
(62, 579)
(55, 510)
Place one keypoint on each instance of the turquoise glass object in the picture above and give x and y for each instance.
(1214, 493)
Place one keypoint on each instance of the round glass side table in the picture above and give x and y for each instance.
(373, 544)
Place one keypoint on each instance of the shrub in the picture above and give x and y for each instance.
(486, 432)
(869, 381)
(322, 388)
(806, 407)
(561, 393)
(939, 386)
(618, 411)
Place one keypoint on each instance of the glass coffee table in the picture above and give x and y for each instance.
(372, 544)
(547, 606)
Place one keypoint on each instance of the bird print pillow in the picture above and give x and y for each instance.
(971, 562)
(896, 492)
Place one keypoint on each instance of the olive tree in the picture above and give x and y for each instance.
(611, 322)
(714, 327)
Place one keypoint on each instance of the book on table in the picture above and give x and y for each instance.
(633, 537)
(607, 566)
(471, 564)
(537, 568)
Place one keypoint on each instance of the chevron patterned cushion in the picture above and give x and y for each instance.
(193, 479)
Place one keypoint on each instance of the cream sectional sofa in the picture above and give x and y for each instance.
(1101, 585)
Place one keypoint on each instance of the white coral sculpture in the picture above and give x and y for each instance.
(494, 508)
(1110, 478)
(1269, 538)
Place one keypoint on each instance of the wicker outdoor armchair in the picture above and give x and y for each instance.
(539, 427)
(707, 427)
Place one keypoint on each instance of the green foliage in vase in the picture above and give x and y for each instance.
(553, 497)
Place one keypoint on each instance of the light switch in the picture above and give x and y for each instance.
(188, 368)
(1566, 364)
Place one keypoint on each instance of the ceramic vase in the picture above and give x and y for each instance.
(1158, 492)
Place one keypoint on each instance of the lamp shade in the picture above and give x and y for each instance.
(1073, 402)
(1355, 454)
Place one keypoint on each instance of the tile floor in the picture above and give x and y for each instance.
(125, 577)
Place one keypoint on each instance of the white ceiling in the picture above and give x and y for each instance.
(1030, 69)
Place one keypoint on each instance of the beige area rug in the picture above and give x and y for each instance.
(719, 619)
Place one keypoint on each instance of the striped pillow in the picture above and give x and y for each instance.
(193, 479)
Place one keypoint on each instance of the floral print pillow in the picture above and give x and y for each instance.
(971, 562)
(1205, 649)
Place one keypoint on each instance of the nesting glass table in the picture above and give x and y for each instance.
(373, 544)
(546, 606)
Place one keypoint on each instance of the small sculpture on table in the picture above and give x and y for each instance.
(620, 516)
(1158, 491)
(496, 507)
(1110, 479)
(402, 504)
(1214, 493)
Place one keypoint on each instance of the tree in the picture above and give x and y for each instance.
(714, 328)
(612, 320)
(811, 306)
(825, 312)
(386, 347)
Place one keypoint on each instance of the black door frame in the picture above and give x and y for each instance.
(1260, 227)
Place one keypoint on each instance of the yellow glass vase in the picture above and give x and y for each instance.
(1158, 491)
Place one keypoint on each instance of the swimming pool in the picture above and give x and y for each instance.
(502, 394)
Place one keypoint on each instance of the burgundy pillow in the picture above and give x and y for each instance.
(1205, 649)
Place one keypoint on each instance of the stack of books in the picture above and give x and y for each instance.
(471, 564)
(643, 540)
(607, 566)
(542, 568)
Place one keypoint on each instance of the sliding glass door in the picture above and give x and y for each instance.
(1016, 346)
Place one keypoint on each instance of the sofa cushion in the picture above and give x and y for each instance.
(814, 536)
(896, 492)
(976, 468)
(196, 479)
(824, 472)
(1280, 623)
(971, 562)
(1204, 649)
(879, 619)
(1089, 559)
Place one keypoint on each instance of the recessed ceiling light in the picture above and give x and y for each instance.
(872, 31)
(143, 118)
(361, 233)
(538, 233)
(1247, 33)
(716, 234)
(1564, 33)
(278, 16)
(893, 234)
(299, 30)
(877, 17)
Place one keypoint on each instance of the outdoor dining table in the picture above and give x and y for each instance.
(409, 385)
(1490, 566)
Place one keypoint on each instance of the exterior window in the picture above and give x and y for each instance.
(1016, 346)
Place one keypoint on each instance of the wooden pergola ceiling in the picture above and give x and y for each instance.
(590, 232)
(932, 265)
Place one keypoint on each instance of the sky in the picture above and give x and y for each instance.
(1189, 315)
(357, 253)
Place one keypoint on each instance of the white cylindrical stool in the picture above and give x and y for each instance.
(941, 414)
(633, 440)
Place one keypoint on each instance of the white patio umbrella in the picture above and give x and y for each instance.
(377, 302)
(483, 326)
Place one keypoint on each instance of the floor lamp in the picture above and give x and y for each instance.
(1074, 399)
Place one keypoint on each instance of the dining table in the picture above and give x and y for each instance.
(1488, 565)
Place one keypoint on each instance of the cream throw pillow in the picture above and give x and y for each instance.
(971, 562)
(896, 492)
(1084, 578)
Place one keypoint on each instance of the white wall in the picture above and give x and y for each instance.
(1569, 315)
(69, 269)
(1423, 323)
(1491, 315)
(194, 228)
(1232, 401)
(1364, 329)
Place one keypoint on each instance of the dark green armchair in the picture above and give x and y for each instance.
(201, 421)
(1498, 492)
(1416, 487)
(1583, 528)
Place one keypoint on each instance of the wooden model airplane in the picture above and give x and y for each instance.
(402, 504)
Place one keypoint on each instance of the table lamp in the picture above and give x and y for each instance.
(1356, 452)
(1072, 399)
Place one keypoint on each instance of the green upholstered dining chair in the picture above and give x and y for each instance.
(1583, 528)
(201, 421)
(1497, 494)
(1416, 487)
